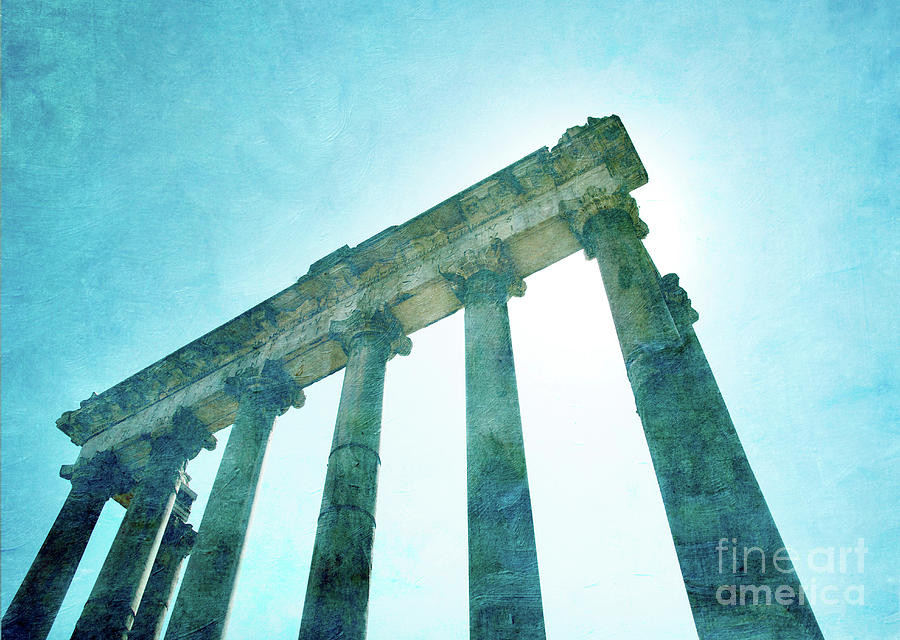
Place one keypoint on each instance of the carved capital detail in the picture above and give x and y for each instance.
(678, 301)
(595, 202)
(503, 284)
(181, 441)
(100, 476)
(380, 322)
(272, 388)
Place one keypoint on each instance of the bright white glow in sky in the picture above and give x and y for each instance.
(168, 165)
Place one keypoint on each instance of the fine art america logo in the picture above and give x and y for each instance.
(737, 563)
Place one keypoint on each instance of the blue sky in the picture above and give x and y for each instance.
(168, 165)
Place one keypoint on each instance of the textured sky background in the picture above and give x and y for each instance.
(168, 165)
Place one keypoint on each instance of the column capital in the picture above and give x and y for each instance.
(271, 388)
(380, 322)
(181, 441)
(180, 538)
(100, 476)
(594, 202)
(683, 314)
(485, 275)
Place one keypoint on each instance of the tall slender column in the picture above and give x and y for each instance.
(111, 607)
(337, 594)
(726, 540)
(204, 600)
(176, 544)
(35, 605)
(504, 585)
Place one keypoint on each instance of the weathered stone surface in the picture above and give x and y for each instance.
(606, 224)
(337, 594)
(399, 267)
(711, 495)
(204, 600)
(683, 314)
(35, 605)
(495, 259)
(708, 489)
(114, 600)
(176, 544)
(355, 308)
(504, 585)
(379, 325)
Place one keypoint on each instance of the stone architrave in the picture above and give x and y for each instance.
(712, 500)
(504, 585)
(337, 594)
(204, 600)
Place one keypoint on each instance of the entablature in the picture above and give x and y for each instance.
(398, 269)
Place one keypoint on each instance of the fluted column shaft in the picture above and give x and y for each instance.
(32, 611)
(337, 594)
(712, 500)
(114, 600)
(504, 585)
(174, 548)
(204, 600)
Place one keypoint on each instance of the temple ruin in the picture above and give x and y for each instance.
(354, 310)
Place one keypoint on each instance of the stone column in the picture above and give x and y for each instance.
(111, 607)
(715, 508)
(204, 600)
(35, 605)
(504, 585)
(176, 544)
(337, 594)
